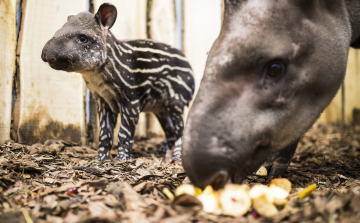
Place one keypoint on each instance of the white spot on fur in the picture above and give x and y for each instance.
(225, 59)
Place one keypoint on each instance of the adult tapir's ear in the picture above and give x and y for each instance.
(106, 15)
(70, 16)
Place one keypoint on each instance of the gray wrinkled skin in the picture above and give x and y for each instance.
(64, 45)
(240, 115)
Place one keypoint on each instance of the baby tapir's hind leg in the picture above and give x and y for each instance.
(107, 123)
(168, 127)
(129, 120)
(175, 111)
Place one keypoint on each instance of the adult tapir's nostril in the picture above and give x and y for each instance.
(51, 60)
(43, 57)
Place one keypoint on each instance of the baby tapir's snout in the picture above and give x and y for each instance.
(54, 55)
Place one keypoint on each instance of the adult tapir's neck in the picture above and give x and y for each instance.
(353, 7)
(347, 9)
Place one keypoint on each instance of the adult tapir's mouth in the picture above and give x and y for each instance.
(248, 167)
(218, 171)
(251, 164)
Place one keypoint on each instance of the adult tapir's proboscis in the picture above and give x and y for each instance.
(274, 68)
(125, 77)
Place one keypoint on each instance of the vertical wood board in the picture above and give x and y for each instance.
(131, 18)
(333, 112)
(7, 64)
(202, 23)
(352, 85)
(162, 24)
(51, 102)
(130, 24)
(162, 29)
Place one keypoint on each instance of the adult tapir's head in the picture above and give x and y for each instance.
(274, 68)
(80, 45)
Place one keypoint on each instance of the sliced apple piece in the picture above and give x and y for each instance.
(185, 189)
(210, 200)
(262, 172)
(264, 206)
(259, 190)
(279, 194)
(235, 200)
(283, 183)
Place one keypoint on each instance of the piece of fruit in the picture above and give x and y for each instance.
(235, 200)
(72, 191)
(262, 172)
(185, 189)
(210, 200)
(168, 193)
(198, 191)
(259, 190)
(307, 191)
(255, 214)
(283, 183)
(264, 206)
(279, 194)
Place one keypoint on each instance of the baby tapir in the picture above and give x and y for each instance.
(124, 76)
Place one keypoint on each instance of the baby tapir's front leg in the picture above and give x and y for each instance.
(107, 123)
(129, 119)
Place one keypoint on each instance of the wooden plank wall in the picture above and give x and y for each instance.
(7, 64)
(162, 29)
(348, 97)
(333, 112)
(130, 24)
(202, 23)
(51, 103)
(352, 85)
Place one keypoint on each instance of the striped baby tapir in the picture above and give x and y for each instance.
(125, 77)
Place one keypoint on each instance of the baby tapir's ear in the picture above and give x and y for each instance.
(106, 15)
(70, 16)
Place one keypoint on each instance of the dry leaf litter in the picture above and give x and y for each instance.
(59, 181)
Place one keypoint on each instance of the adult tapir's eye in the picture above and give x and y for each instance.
(275, 69)
(82, 39)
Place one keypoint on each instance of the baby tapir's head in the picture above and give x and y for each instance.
(80, 45)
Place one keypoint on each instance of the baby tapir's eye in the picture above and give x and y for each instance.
(275, 69)
(82, 39)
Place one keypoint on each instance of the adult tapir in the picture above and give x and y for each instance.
(273, 69)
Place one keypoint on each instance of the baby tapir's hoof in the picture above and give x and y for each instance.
(123, 157)
(102, 155)
(163, 150)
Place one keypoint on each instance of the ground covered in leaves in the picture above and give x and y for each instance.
(60, 182)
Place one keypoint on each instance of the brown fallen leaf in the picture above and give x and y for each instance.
(54, 219)
(133, 201)
(51, 201)
(100, 210)
(49, 180)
